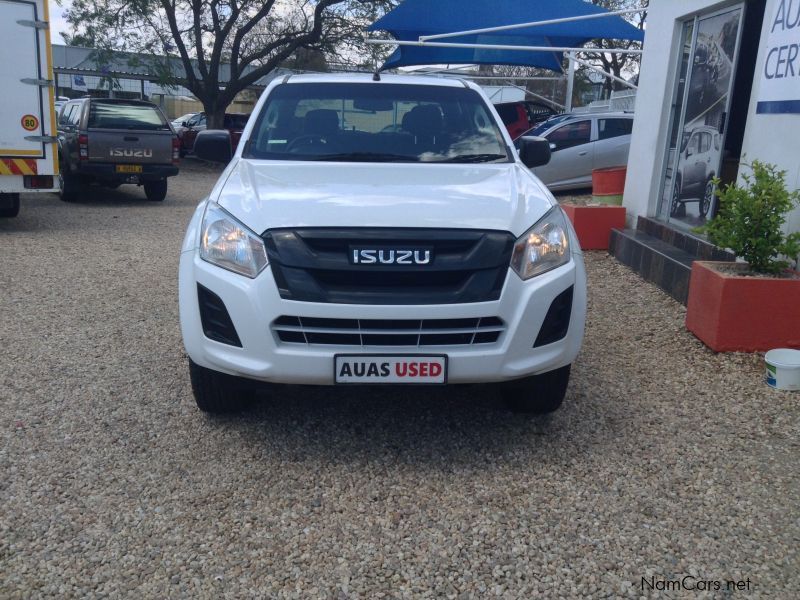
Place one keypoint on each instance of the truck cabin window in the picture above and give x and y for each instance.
(374, 122)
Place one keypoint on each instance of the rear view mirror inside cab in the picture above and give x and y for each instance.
(373, 104)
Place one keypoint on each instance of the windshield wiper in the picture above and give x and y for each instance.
(364, 157)
(475, 158)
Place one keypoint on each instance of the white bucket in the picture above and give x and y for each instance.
(783, 369)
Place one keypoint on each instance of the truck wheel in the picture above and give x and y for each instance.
(9, 205)
(539, 394)
(708, 197)
(71, 187)
(675, 203)
(156, 191)
(218, 392)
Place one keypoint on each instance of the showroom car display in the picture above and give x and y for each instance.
(413, 246)
(113, 142)
(581, 143)
(694, 180)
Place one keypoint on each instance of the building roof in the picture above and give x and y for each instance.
(90, 61)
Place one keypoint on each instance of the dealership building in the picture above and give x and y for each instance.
(719, 87)
(719, 84)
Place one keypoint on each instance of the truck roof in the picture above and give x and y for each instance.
(368, 78)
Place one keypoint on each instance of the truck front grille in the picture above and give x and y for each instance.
(388, 332)
(315, 265)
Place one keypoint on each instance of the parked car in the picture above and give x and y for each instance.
(180, 122)
(114, 141)
(366, 255)
(234, 123)
(519, 117)
(581, 143)
(700, 152)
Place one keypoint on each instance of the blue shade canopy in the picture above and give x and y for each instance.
(414, 18)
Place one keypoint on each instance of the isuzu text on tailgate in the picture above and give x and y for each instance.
(379, 232)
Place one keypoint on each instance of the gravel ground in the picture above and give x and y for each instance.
(665, 460)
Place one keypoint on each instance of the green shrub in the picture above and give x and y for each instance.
(750, 218)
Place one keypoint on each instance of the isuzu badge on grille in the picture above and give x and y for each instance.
(371, 256)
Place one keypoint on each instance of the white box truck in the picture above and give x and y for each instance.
(28, 142)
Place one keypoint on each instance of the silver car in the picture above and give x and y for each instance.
(581, 143)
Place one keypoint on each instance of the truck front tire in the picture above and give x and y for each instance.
(219, 393)
(9, 205)
(539, 394)
(156, 191)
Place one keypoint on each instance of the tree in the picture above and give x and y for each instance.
(217, 48)
(619, 65)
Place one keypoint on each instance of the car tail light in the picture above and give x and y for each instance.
(83, 146)
(176, 150)
(37, 182)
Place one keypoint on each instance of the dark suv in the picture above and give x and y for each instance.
(111, 142)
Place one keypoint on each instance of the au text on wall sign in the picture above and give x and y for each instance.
(780, 73)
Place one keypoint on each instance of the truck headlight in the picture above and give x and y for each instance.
(227, 243)
(543, 247)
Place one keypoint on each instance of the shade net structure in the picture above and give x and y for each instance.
(415, 18)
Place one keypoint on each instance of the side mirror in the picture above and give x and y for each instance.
(688, 152)
(213, 145)
(534, 151)
(184, 123)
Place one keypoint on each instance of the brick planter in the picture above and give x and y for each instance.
(731, 313)
(593, 224)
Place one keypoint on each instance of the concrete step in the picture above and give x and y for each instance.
(696, 246)
(654, 260)
(663, 255)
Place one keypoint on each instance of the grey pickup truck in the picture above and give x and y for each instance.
(114, 141)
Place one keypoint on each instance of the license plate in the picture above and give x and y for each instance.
(390, 368)
(129, 168)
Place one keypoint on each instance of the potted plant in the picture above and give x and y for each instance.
(593, 222)
(751, 305)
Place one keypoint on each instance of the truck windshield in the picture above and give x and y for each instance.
(376, 122)
(114, 115)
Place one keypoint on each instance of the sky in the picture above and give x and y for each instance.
(57, 22)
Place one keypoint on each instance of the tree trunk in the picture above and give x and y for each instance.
(215, 116)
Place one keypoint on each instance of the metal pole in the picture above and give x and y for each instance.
(605, 73)
(505, 77)
(502, 47)
(570, 82)
(628, 11)
(535, 95)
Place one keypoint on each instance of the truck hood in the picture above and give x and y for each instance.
(265, 195)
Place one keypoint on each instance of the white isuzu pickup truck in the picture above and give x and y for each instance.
(379, 230)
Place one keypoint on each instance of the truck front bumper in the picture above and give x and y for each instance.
(255, 304)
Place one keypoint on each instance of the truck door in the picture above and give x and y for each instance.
(28, 146)
(22, 109)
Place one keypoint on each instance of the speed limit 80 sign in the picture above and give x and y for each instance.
(29, 122)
